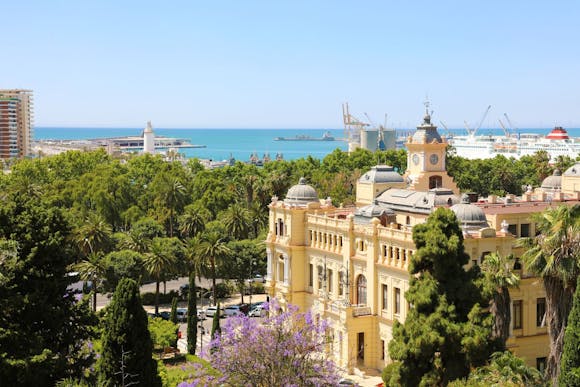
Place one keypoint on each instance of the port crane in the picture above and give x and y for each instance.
(352, 125)
(472, 132)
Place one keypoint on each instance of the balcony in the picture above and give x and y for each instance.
(361, 310)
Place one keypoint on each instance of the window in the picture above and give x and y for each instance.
(385, 297)
(397, 300)
(329, 280)
(310, 275)
(319, 273)
(484, 255)
(525, 230)
(518, 314)
(340, 282)
(382, 349)
(435, 182)
(513, 229)
(541, 364)
(541, 312)
(361, 290)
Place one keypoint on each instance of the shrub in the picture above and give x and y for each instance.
(149, 297)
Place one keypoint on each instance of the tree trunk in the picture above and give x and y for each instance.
(191, 315)
(558, 306)
(156, 298)
(213, 275)
(500, 308)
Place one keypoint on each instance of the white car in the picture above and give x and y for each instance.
(233, 310)
(210, 311)
(258, 311)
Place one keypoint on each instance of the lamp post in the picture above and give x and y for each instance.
(251, 283)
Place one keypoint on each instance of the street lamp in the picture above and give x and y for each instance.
(251, 282)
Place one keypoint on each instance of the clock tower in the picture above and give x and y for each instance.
(426, 167)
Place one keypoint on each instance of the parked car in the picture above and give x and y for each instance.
(257, 279)
(233, 310)
(258, 311)
(211, 310)
(347, 382)
(181, 314)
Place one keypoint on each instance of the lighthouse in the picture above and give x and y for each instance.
(148, 139)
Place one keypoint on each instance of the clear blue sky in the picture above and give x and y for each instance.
(291, 64)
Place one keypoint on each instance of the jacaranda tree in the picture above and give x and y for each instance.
(287, 349)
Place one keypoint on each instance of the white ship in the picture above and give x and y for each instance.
(556, 143)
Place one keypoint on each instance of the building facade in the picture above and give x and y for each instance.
(350, 266)
(16, 123)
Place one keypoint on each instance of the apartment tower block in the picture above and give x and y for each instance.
(16, 119)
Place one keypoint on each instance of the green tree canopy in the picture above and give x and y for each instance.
(446, 332)
(127, 347)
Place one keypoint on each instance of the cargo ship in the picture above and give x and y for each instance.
(327, 136)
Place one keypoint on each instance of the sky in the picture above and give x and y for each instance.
(293, 63)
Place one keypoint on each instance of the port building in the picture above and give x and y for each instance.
(350, 265)
(16, 123)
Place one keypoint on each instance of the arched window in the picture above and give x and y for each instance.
(361, 290)
(435, 182)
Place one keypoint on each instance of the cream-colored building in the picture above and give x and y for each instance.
(15, 123)
(350, 266)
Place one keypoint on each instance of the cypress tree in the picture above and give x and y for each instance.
(446, 332)
(215, 326)
(127, 346)
(173, 314)
(191, 315)
(570, 362)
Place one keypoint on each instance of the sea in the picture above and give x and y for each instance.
(221, 144)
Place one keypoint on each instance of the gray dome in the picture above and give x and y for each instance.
(381, 174)
(469, 215)
(426, 133)
(374, 210)
(444, 197)
(554, 181)
(301, 193)
(574, 170)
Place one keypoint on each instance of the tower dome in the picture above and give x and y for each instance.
(301, 194)
(381, 174)
(553, 182)
(469, 216)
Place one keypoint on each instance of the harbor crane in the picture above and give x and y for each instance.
(352, 125)
(512, 127)
(472, 132)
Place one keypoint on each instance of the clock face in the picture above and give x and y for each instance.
(434, 159)
(415, 159)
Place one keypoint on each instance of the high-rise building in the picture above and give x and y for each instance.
(16, 119)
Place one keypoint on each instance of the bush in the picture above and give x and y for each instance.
(224, 289)
(163, 333)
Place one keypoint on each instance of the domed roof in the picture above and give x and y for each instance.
(554, 181)
(373, 210)
(301, 193)
(469, 215)
(574, 170)
(381, 174)
(426, 133)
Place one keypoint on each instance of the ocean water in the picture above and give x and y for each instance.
(241, 143)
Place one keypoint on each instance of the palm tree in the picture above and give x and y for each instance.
(237, 221)
(212, 250)
(553, 255)
(194, 268)
(91, 269)
(170, 194)
(158, 262)
(193, 220)
(94, 235)
(499, 276)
